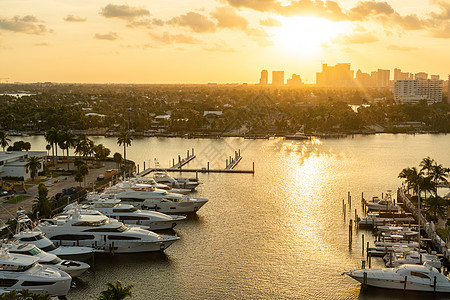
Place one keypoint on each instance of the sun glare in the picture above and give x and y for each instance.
(305, 35)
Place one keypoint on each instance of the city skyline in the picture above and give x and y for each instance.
(218, 41)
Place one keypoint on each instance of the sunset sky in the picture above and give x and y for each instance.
(193, 41)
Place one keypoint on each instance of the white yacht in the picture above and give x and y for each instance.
(26, 234)
(103, 234)
(19, 272)
(406, 277)
(185, 183)
(130, 215)
(412, 257)
(159, 200)
(382, 205)
(73, 268)
(146, 182)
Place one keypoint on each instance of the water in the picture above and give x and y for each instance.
(278, 234)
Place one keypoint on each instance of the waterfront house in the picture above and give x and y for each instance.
(13, 163)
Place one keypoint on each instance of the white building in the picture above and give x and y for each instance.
(414, 91)
(13, 163)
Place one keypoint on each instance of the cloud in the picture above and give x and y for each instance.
(441, 32)
(218, 46)
(125, 12)
(357, 38)
(401, 48)
(195, 21)
(72, 18)
(263, 42)
(444, 6)
(42, 44)
(27, 24)
(167, 38)
(270, 22)
(258, 32)
(228, 18)
(366, 9)
(259, 5)
(112, 36)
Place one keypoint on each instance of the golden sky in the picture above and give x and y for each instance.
(193, 41)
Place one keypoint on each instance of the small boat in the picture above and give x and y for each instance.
(19, 272)
(405, 277)
(297, 136)
(71, 267)
(382, 205)
(411, 257)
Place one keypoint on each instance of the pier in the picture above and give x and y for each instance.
(232, 162)
(182, 161)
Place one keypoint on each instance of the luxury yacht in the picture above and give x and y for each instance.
(73, 268)
(128, 214)
(19, 272)
(382, 205)
(103, 234)
(185, 183)
(159, 200)
(406, 277)
(146, 182)
(412, 257)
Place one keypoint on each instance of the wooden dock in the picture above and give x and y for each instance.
(203, 170)
(231, 163)
(182, 162)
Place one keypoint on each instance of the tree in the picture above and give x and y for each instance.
(427, 164)
(101, 152)
(4, 140)
(84, 146)
(115, 291)
(48, 147)
(51, 136)
(24, 294)
(66, 141)
(79, 178)
(83, 170)
(437, 206)
(33, 165)
(411, 176)
(439, 174)
(124, 139)
(41, 204)
(26, 146)
(118, 159)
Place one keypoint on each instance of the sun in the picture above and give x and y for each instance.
(305, 35)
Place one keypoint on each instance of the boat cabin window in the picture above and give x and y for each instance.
(72, 237)
(92, 223)
(131, 209)
(420, 275)
(34, 251)
(134, 218)
(49, 248)
(32, 238)
(121, 228)
(16, 268)
(121, 237)
(4, 282)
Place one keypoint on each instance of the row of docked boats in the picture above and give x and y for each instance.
(44, 257)
(408, 267)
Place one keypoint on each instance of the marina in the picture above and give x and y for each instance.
(284, 232)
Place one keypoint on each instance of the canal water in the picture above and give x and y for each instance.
(277, 234)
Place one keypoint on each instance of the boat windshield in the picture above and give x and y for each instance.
(35, 251)
(56, 261)
(16, 268)
(131, 209)
(91, 223)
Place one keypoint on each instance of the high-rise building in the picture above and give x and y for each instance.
(295, 80)
(278, 77)
(421, 75)
(382, 78)
(339, 75)
(363, 79)
(414, 91)
(264, 80)
(434, 77)
(399, 75)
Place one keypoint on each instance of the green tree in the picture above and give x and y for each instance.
(115, 291)
(79, 178)
(101, 152)
(41, 204)
(124, 139)
(33, 165)
(24, 294)
(439, 174)
(436, 206)
(4, 140)
(51, 136)
(117, 159)
(412, 177)
(427, 164)
(66, 141)
(84, 146)
(83, 170)
(26, 146)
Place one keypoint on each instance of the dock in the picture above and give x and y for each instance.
(182, 161)
(231, 163)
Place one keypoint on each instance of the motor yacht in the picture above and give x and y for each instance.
(71, 267)
(185, 183)
(405, 277)
(102, 234)
(146, 182)
(130, 215)
(19, 272)
(411, 257)
(158, 200)
(382, 205)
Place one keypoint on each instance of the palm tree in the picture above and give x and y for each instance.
(411, 176)
(84, 146)
(33, 165)
(83, 170)
(4, 140)
(101, 152)
(116, 291)
(124, 139)
(51, 136)
(426, 164)
(41, 204)
(437, 206)
(439, 174)
(66, 141)
(118, 159)
(426, 184)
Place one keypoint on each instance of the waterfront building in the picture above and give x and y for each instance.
(339, 75)
(13, 163)
(421, 75)
(414, 91)
(295, 80)
(399, 75)
(434, 77)
(264, 79)
(277, 77)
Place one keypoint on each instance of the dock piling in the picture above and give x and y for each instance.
(362, 243)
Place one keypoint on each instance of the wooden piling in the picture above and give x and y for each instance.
(363, 243)
(138, 168)
(253, 167)
(144, 165)
(404, 285)
(363, 264)
(365, 280)
(208, 166)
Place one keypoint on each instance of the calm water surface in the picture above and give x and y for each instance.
(278, 234)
